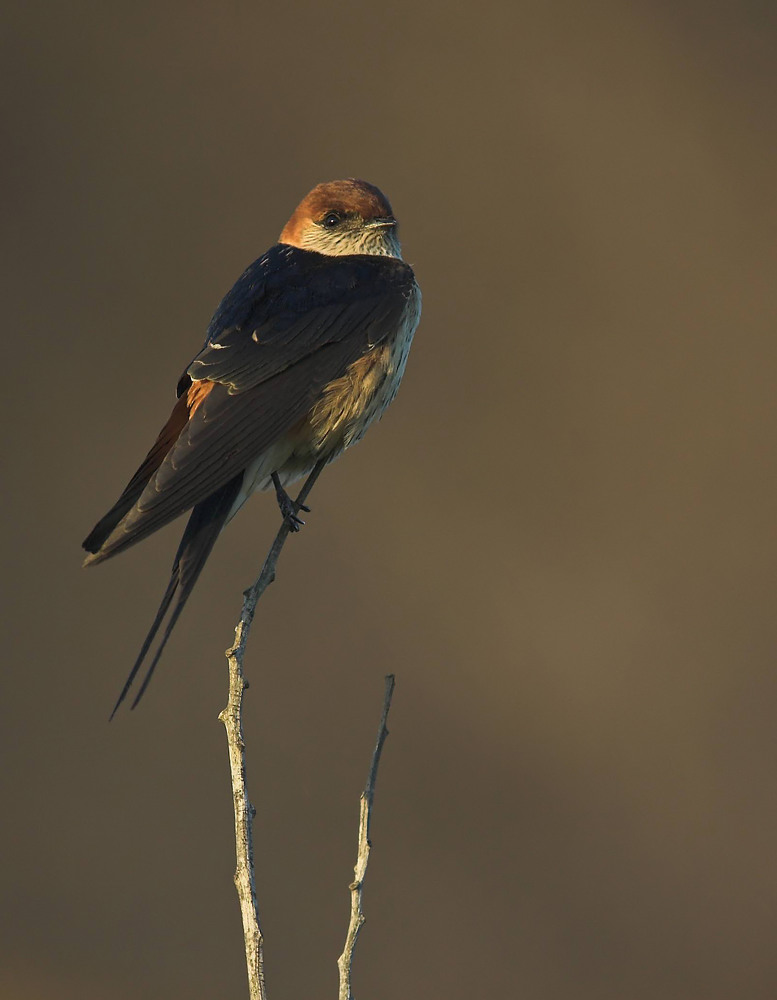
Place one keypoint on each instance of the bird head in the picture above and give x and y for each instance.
(344, 217)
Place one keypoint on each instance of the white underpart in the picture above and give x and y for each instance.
(347, 426)
(258, 475)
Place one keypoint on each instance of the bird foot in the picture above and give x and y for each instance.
(289, 508)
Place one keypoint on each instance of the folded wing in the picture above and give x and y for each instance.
(293, 323)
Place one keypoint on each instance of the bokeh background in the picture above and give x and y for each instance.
(561, 538)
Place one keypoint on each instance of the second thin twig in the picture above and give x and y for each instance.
(345, 961)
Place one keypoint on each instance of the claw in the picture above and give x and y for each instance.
(289, 508)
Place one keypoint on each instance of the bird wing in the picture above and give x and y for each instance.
(291, 302)
(293, 322)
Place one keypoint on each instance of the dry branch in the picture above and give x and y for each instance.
(345, 961)
(231, 716)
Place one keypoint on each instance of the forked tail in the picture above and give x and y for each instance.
(206, 521)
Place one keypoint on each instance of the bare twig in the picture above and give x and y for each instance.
(345, 961)
(231, 716)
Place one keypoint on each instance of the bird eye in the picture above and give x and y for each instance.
(332, 219)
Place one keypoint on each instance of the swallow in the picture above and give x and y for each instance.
(303, 353)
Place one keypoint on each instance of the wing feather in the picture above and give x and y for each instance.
(223, 437)
(320, 300)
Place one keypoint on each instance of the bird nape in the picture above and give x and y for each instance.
(303, 353)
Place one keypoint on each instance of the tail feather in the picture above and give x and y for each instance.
(206, 521)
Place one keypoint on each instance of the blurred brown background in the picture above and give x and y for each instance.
(561, 539)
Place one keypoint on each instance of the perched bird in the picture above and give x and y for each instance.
(302, 354)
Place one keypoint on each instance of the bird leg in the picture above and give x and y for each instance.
(289, 508)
